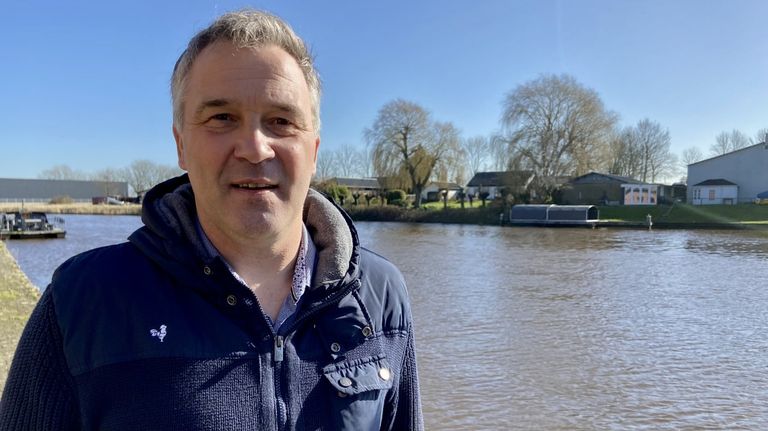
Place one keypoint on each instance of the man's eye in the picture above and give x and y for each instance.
(281, 122)
(222, 117)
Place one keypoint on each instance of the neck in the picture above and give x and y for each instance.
(263, 260)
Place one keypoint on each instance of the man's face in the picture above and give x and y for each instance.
(247, 141)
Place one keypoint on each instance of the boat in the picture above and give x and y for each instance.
(30, 225)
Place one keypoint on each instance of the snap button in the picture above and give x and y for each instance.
(367, 331)
(232, 300)
(207, 270)
(384, 374)
(345, 382)
(335, 348)
(341, 394)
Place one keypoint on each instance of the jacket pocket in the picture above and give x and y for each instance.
(360, 388)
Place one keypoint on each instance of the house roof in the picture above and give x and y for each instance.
(490, 179)
(764, 144)
(445, 185)
(715, 182)
(357, 183)
(617, 178)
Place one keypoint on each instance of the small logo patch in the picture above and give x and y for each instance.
(159, 334)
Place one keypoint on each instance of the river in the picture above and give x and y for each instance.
(560, 329)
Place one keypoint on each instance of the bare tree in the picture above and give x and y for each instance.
(655, 158)
(726, 142)
(449, 165)
(476, 153)
(761, 136)
(624, 153)
(500, 152)
(405, 142)
(691, 155)
(557, 126)
(143, 174)
(62, 172)
(325, 164)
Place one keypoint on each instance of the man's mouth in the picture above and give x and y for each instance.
(254, 186)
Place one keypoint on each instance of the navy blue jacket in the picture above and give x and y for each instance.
(156, 334)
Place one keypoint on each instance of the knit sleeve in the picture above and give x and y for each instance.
(39, 393)
(407, 409)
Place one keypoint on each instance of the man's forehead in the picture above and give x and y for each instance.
(226, 72)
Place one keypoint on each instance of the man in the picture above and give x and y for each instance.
(246, 301)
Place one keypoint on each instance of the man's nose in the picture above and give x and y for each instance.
(255, 145)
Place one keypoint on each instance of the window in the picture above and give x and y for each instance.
(711, 194)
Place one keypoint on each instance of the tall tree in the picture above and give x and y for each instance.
(655, 158)
(625, 153)
(501, 153)
(558, 126)
(450, 165)
(726, 142)
(405, 141)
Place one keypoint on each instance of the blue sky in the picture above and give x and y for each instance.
(86, 83)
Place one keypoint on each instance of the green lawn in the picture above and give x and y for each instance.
(684, 213)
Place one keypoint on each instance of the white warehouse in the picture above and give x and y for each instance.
(746, 169)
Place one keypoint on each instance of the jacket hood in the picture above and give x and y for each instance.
(170, 237)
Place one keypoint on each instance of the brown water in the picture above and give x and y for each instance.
(564, 329)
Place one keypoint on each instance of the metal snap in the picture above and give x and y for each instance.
(367, 331)
(345, 382)
(232, 300)
(335, 347)
(384, 374)
(207, 270)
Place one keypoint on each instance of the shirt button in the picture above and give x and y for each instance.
(342, 394)
(335, 348)
(232, 300)
(345, 382)
(207, 270)
(367, 331)
(384, 374)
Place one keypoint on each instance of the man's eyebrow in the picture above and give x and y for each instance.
(290, 109)
(213, 103)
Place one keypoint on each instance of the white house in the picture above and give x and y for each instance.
(714, 192)
(494, 182)
(747, 169)
(433, 191)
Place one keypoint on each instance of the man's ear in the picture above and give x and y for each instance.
(314, 158)
(179, 148)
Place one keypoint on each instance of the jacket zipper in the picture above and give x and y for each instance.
(279, 349)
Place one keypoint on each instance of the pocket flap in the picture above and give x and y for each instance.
(360, 375)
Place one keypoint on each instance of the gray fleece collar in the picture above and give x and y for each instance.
(333, 236)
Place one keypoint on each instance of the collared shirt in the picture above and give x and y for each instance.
(302, 273)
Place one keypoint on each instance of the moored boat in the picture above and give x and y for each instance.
(29, 225)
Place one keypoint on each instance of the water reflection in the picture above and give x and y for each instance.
(564, 329)
(585, 329)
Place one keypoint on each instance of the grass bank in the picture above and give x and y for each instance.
(76, 208)
(481, 216)
(17, 299)
(673, 216)
(690, 215)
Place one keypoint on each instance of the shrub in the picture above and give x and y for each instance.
(334, 191)
(61, 200)
(396, 197)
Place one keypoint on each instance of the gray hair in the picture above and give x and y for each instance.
(246, 29)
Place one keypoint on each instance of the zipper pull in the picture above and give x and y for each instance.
(278, 348)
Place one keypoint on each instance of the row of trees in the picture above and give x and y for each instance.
(140, 175)
(553, 126)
